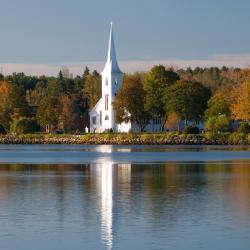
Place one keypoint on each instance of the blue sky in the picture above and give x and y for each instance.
(61, 32)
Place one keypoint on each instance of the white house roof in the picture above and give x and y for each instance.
(111, 64)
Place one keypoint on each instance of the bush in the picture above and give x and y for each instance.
(244, 128)
(218, 137)
(191, 130)
(24, 126)
(218, 123)
(237, 138)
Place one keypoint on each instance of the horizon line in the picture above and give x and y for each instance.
(127, 66)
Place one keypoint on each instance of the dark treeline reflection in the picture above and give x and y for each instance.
(107, 198)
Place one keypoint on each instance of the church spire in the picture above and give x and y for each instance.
(111, 63)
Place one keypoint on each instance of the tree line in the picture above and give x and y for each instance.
(216, 96)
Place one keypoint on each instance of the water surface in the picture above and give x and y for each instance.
(122, 197)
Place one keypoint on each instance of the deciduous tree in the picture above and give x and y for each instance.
(187, 99)
(12, 100)
(217, 105)
(48, 113)
(92, 89)
(156, 83)
(130, 102)
(240, 101)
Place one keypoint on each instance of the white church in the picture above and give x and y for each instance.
(102, 116)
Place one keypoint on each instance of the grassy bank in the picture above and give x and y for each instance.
(169, 138)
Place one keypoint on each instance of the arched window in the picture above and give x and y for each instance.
(106, 118)
(116, 81)
(106, 81)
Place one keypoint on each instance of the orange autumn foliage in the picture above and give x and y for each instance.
(173, 121)
(5, 90)
(240, 101)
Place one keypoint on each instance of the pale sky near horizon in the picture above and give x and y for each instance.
(39, 35)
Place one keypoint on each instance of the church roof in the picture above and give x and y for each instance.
(111, 64)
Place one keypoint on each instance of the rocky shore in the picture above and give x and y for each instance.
(127, 139)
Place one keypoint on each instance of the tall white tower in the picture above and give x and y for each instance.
(111, 82)
(102, 116)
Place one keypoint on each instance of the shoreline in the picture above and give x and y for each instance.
(168, 138)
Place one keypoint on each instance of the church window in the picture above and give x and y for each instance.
(116, 81)
(106, 118)
(94, 120)
(106, 81)
(106, 102)
(101, 118)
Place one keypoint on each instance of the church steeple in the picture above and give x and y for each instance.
(111, 64)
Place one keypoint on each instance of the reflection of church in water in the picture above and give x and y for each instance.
(109, 175)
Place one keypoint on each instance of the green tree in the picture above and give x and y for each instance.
(129, 103)
(86, 72)
(156, 83)
(1, 77)
(187, 99)
(92, 89)
(69, 113)
(217, 105)
(60, 75)
(24, 125)
(244, 128)
(48, 113)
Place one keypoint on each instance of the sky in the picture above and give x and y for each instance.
(41, 36)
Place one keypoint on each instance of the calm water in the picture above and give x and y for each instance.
(122, 197)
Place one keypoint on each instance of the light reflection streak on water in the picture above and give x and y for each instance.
(105, 173)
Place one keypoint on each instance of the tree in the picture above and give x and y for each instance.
(240, 101)
(69, 113)
(1, 77)
(244, 128)
(23, 81)
(129, 103)
(217, 105)
(12, 100)
(187, 99)
(48, 113)
(92, 89)
(86, 72)
(5, 90)
(156, 83)
(24, 125)
(60, 75)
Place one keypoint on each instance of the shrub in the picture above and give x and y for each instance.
(2, 130)
(244, 128)
(191, 130)
(237, 138)
(24, 125)
(218, 123)
(218, 137)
